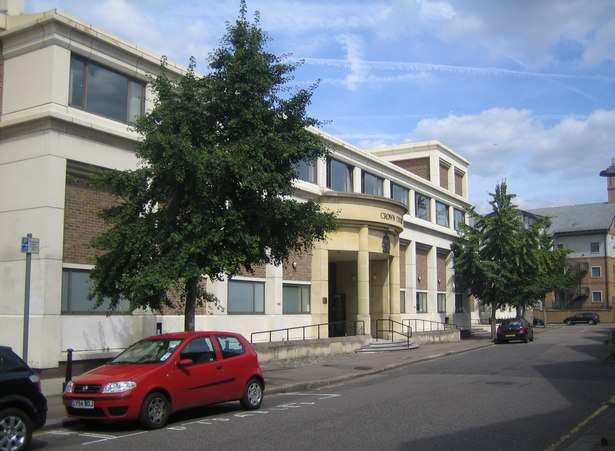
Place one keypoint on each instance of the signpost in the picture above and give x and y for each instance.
(29, 246)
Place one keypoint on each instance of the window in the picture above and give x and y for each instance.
(230, 346)
(442, 214)
(597, 296)
(596, 271)
(399, 193)
(372, 184)
(444, 168)
(422, 206)
(458, 303)
(459, 218)
(102, 91)
(441, 303)
(306, 171)
(296, 299)
(402, 301)
(199, 350)
(339, 176)
(76, 288)
(458, 182)
(10, 362)
(246, 297)
(421, 302)
(594, 247)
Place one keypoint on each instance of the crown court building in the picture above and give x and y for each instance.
(67, 93)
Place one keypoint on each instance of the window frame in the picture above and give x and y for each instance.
(599, 268)
(416, 206)
(424, 295)
(402, 301)
(379, 179)
(84, 92)
(598, 301)
(591, 247)
(448, 212)
(298, 285)
(459, 305)
(83, 312)
(350, 169)
(463, 219)
(253, 283)
(224, 357)
(407, 191)
(439, 296)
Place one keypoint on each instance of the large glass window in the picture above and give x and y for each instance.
(441, 303)
(399, 193)
(422, 206)
(458, 302)
(306, 171)
(339, 176)
(442, 214)
(246, 297)
(421, 302)
(76, 288)
(103, 91)
(296, 299)
(372, 184)
(594, 247)
(459, 217)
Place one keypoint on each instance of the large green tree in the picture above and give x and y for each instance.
(213, 191)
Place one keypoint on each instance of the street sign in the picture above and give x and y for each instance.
(30, 245)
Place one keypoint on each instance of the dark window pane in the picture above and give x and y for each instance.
(441, 303)
(399, 193)
(422, 206)
(459, 218)
(306, 171)
(458, 303)
(230, 346)
(136, 96)
(372, 184)
(402, 302)
(291, 299)
(199, 350)
(77, 82)
(339, 176)
(246, 297)
(442, 214)
(421, 302)
(107, 92)
(76, 287)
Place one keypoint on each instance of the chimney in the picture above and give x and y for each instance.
(11, 7)
(609, 173)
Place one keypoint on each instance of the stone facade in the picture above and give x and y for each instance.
(422, 254)
(418, 166)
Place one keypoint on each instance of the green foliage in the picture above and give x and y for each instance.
(212, 193)
(503, 263)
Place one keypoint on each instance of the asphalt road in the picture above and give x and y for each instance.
(506, 397)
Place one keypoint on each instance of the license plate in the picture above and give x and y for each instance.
(82, 404)
(509, 335)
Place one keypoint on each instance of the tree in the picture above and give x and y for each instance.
(213, 191)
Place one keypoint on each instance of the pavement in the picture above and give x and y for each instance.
(303, 374)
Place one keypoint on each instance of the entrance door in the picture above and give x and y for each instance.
(337, 306)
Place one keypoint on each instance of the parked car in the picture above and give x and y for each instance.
(166, 373)
(588, 318)
(515, 329)
(23, 408)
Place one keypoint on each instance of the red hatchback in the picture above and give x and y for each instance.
(166, 373)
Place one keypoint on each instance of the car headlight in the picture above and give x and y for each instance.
(119, 387)
(69, 387)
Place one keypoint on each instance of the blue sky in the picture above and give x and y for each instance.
(524, 89)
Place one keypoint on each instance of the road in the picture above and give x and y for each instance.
(506, 397)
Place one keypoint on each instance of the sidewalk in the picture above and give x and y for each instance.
(304, 374)
(595, 433)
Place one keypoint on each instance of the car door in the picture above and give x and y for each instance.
(198, 383)
(234, 362)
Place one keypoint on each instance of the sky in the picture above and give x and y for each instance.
(524, 89)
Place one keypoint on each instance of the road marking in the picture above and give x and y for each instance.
(114, 437)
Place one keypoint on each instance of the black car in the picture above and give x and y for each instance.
(23, 408)
(515, 329)
(588, 318)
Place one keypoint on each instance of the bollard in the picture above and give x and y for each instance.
(69, 367)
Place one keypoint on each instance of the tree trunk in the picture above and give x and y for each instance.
(493, 310)
(190, 307)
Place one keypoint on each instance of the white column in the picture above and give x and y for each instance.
(432, 281)
(363, 279)
(451, 217)
(321, 172)
(411, 276)
(386, 189)
(411, 203)
(434, 169)
(356, 180)
(451, 179)
(432, 210)
(273, 289)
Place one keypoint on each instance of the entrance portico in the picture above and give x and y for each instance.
(356, 271)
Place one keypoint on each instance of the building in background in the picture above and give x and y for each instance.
(68, 92)
(589, 231)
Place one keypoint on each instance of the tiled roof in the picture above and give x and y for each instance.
(579, 218)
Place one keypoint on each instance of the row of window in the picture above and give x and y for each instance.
(421, 302)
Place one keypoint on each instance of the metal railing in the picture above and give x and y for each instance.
(426, 325)
(332, 327)
(390, 328)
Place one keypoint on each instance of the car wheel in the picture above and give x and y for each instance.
(15, 430)
(591, 323)
(155, 411)
(253, 395)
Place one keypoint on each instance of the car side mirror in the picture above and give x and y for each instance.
(185, 362)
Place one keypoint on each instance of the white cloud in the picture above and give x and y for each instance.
(358, 71)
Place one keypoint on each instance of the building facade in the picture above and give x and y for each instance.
(67, 94)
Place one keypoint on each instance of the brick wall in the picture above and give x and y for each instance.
(258, 271)
(82, 204)
(421, 267)
(303, 269)
(418, 166)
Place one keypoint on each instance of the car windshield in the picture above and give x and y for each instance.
(148, 351)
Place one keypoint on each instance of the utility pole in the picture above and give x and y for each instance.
(29, 246)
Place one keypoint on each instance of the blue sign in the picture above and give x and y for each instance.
(24, 244)
(30, 245)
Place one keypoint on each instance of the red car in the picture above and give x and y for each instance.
(166, 373)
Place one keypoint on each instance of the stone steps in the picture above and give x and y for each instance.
(388, 346)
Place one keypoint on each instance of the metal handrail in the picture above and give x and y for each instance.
(438, 325)
(355, 324)
(392, 330)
